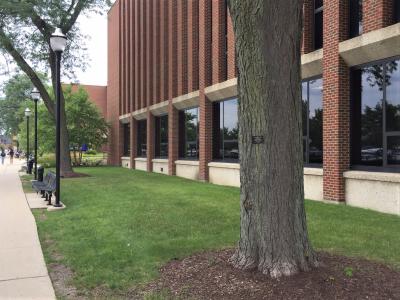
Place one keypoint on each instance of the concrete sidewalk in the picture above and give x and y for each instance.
(23, 272)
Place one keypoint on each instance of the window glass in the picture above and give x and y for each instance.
(393, 150)
(304, 103)
(318, 24)
(142, 138)
(397, 10)
(226, 130)
(392, 96)
(189, 138)
(127, 143)
(315, 121)
(356, 18)
(312, 119)
(161, 136)
(371, 115)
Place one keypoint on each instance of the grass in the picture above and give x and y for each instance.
(121, 225)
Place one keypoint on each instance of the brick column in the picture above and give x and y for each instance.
(336, 101)
(377, 14)
(231, 68)
(133, 141)
(308, 21)
(150, 141)
(218, 41)
(205, 132)
(173, 137)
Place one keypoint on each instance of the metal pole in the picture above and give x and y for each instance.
(36, 137)
(58, 125)
(27, 144)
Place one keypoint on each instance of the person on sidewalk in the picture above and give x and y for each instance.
(2, 155)
(11, 153)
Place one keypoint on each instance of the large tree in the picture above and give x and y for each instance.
(273, 235)
(25, 30)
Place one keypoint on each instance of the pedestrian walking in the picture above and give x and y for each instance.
(11, 153)
(3, 156)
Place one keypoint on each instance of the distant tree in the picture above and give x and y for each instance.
(25, 30)
(16, 92)
(85, 125)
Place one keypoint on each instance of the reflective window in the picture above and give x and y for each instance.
(226, 130)
(312, 121)
(376, 114)
(318, 24)
(142, 138)
(397, 10)
(161, 136)
(189, 133)
(356, 18)
(127, 140)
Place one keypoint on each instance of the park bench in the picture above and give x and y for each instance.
(46, 187)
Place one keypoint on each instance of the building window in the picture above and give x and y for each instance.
(312, 121)
(142, 138)
(376, 115)
(356, 18)
(161, 137)
(318, 24)
(189, 133)
(397, 10)
(127, 139)
(226, 130)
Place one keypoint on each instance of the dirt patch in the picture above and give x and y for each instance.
(209, 276)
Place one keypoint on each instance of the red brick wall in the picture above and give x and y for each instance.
(377, 14)
(97, 95)
(308, 21)
(113, 85)
(336, 101)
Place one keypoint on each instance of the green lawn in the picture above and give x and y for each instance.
(121, 225)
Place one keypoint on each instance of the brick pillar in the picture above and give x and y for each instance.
(377, 14)
(173, 137)
(308, 20)
(218, 41)
(231, 54)
(205, 132)
(133, 140)
(150, 141)
(336, 101)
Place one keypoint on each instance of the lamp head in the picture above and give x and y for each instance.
(58, 41)
(28, 112)
(35, 94)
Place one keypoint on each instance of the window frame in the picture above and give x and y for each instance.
(138, 138)
(221, 135)
(183, 142)
(126, 151)
(158, 137)
(385, 134)
(315, 12)
(306, 159)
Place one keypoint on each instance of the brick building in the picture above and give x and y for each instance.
(172, 95)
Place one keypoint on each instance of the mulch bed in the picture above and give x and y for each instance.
(210, 276)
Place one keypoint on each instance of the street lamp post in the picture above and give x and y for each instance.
(58, 42)
(36, 96)
(27, 115)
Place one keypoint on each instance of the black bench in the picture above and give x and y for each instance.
(46, 187)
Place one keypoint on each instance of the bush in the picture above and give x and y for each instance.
(91, 152)
(47, 160)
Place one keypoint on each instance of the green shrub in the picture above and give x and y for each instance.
(91, 152)
(47, 160)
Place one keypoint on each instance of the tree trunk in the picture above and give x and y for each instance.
(273, 235)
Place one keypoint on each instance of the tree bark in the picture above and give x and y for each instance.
(273, 234)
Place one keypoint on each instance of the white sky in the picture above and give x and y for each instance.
(94, 26)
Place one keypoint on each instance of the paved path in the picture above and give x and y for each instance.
(23, 272)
